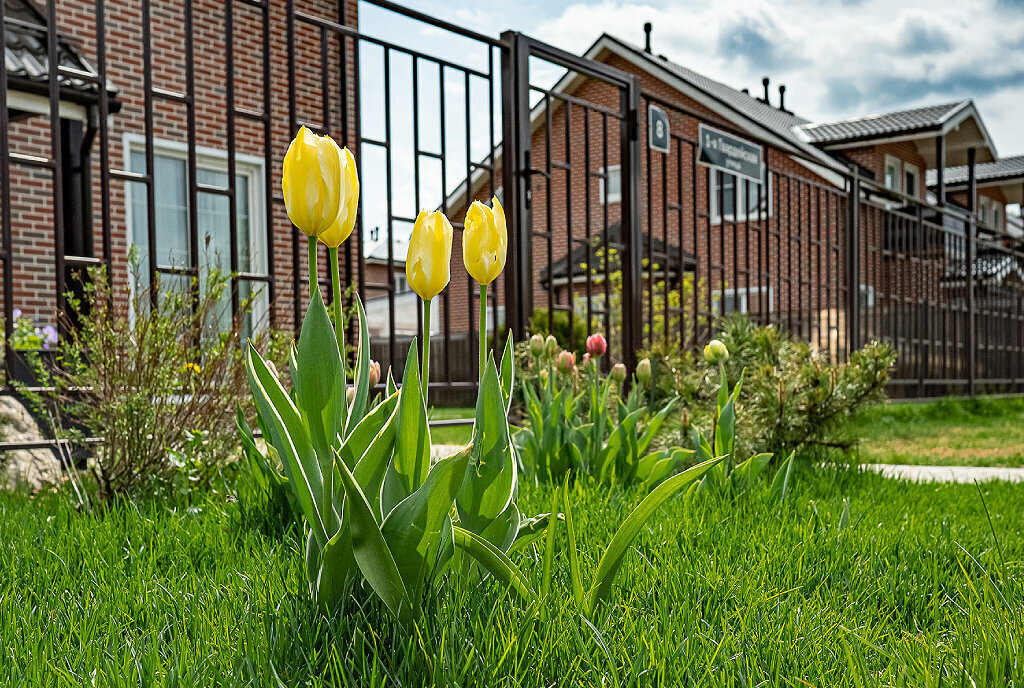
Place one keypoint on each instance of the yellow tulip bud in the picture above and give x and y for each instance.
(312, 182)
(485, 241)
(428, 264)
(341, 229)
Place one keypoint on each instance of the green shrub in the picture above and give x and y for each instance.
(793, 398)
(159, 384)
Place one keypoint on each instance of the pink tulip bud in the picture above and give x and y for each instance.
(374, 373)
(537, 345)
(596, 345)
(619, 373)
(566, 362)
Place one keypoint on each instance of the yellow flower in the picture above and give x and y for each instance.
(485, 241)
(312, 182)
(341, 229)
(428, 264)
(192, 368)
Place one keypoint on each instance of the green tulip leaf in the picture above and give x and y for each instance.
(412, 444)
(371, 550)
(362, 382)
(616, 551)
(491, 480)
(288, 434)
(496, 563)
(413, 528)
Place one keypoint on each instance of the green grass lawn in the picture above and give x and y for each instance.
(451, 434)
(974, 432)
(919, 589)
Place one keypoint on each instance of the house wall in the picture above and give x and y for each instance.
(32, 217)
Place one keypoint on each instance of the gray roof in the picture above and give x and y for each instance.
(782, 123)
(888, 123)
(1009, 169)
(25, 53)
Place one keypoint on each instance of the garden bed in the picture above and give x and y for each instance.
(916, 582)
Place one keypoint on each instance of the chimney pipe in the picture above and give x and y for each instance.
(782, 97)
(764, 82)
(647, 37)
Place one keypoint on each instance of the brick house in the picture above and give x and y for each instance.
(772, 256)
(262, 130)
(773, 245)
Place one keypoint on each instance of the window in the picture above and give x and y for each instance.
(614, 191)
(867, 296)
(892, 173)
(995, 216)
(911, 175)
(401, 284)
(741, 300)
(983, 210)
(170, 172)
(732, 192)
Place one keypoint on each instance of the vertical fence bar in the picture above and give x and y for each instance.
(632, 293)
(229, 97)
(190, 125)
(292, 124)
(5, 213)
(853, 263)
(268, 164)
(972, 252)
(57, 183)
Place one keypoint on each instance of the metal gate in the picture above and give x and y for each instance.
(563, 147)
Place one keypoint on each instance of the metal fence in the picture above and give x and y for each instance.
(163, 124)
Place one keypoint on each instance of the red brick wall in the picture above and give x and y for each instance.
(30, 189)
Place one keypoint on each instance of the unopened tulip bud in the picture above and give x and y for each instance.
(643, 371)
(543, 375)
(716, 352)
(537, 345)
(686, 418)
(566, 362)
(551, 345)
(619, 373)
(350, 395)
(374, 373)
(597, 345)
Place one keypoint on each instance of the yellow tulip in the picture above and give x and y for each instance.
(341, 229)
(428, 264)
(485, 241)
(312, 182)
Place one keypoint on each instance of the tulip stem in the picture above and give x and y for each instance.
(483, 330)
(314, 280)
(425, 376)
(339, 330)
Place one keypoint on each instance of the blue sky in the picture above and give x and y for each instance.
(838, 58)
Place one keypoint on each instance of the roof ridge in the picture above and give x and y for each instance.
(877, 115)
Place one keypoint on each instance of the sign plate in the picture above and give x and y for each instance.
(657, 129)
(730, 154)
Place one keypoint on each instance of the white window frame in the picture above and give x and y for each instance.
(213, 159)
(867, 296)
(611, 198)
(741, 201)
(897, 176)
(911, 171)
(739, 295)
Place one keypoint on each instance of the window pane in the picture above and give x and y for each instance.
(171, 202)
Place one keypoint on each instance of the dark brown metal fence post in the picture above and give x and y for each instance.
(632, 288)
(972, 249)
(516, 180)
(853, 263)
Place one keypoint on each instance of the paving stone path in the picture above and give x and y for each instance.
(948, 474)
(919, 474)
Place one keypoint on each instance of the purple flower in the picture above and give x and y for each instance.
(16, 313)
(50, 334)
